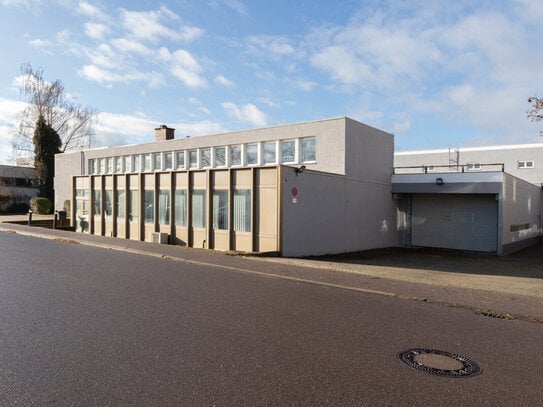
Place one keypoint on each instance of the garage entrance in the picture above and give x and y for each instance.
(455, 221)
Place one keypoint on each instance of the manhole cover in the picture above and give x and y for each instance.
(439, 362)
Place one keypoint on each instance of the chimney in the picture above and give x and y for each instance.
(164, 133)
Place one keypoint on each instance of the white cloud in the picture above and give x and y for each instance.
(269, 45)
(184, 67)
(148, 25)
(22, 4)
(90, 10)
(235, 5)
(96, 30)
(131, 46)
(222, 81)
(248, 113)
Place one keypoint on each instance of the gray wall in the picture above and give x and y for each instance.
(66, 166)
(369, 152)
(521, 212)
(335, 214)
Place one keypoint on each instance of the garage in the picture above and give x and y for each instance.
(455, 221)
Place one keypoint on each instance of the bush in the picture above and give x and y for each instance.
(18, 207)
(41, 206)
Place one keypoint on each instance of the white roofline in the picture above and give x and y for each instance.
(464, 149)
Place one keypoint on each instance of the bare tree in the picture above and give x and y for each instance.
(535, 114)
(72, 122)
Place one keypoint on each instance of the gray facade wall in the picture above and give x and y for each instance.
(369, 152)
(335, 214)
(330, 148)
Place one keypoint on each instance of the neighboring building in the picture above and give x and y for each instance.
(481, 198)
(17, 186)
(301, 189)
(524, 161)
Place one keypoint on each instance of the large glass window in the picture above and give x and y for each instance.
(242, 210)
(168, 163)
(288, 151)
(148, 206)
(96, 202)
(205, 157)
(270, 154)
(157, 161)
(119, 202)
(117, 164)
(164, 207)
(198, 202)
(91, 167)
(137, 163)
(220, 156)
(109, 165)
(100, 165)
(193, 158)
(180, 204)
(235, 155)
(108, 202)
(251, 154)
(308, 149)
(147, 162)
(220, 209)
(127, 163)
(180, 159)
(133, 205)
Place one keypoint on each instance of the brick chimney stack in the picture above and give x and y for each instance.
(164, 133)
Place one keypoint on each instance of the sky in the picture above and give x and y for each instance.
(435, 73)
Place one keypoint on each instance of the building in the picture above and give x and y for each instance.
(17, 186)
(302, 189)
(322, 187)
(480, 198)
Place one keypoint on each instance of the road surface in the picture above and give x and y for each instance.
(81, 326)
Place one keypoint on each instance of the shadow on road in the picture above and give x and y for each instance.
(527, 263)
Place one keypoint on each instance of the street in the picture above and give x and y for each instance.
(82, 326)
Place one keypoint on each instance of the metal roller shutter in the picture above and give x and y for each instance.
(465, 222)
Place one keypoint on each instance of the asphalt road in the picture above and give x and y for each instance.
(81, 326)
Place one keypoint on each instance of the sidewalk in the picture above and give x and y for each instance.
(507, 287)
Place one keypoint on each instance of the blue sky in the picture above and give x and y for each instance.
(435, 73)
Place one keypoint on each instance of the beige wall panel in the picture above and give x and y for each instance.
(134, 231)
(242, 241)
(266, 177)
(165, 229)
(181, 236)
(164, 180)
(149, 181)
(219, 179)
(108, 181)
(148, 229)
(199, 238)
(242, 178)
(121, 181)
(82, 182)
(220, 240)
(181, 180)
(97, 180)
(108, 228)
(121, 229)
(199, 179)
(133, 181)
(267, 212)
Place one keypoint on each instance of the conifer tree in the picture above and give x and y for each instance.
(47, 143)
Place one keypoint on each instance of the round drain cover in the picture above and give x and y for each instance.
(439, 362)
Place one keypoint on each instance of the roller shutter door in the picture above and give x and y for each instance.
(465, 222)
